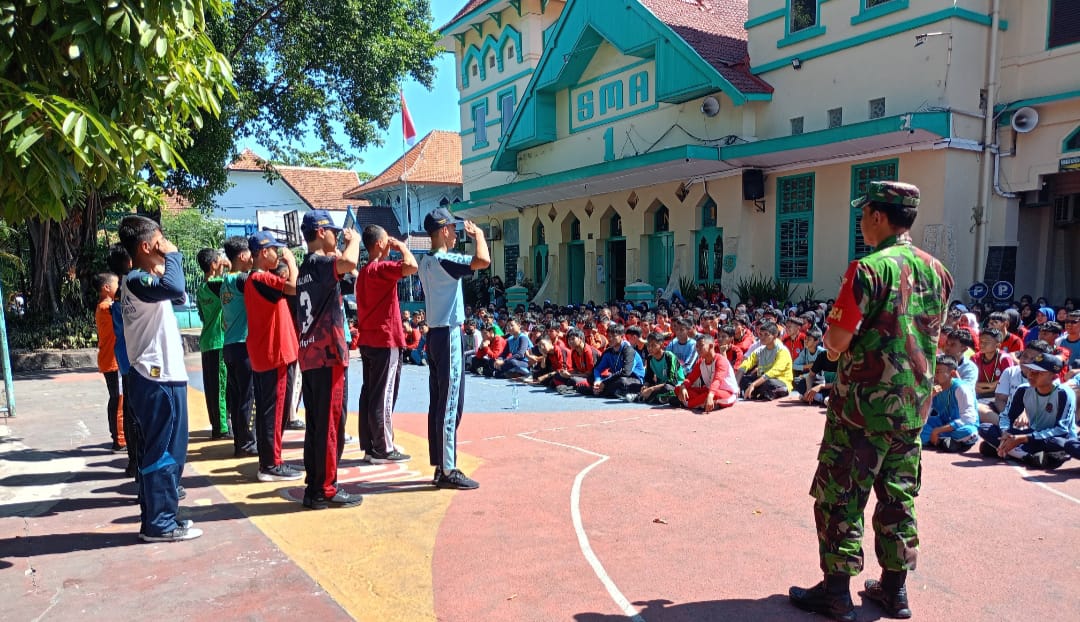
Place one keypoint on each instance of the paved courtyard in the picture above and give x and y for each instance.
(589, 510)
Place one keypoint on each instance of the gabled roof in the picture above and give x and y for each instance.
(707, 55)
(381, 215)
(320, 188)
(715, 30)
(469, 7)
(435, 160)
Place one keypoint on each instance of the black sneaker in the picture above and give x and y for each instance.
(987, 450)
(1036, 460)
(945, 443)
(279, 473)
(819, 600)
(394, 456)
(176, 535)
(894, 605)
(217, 436)
(340, 500)
(295, 424)
(437, 476)
(456, 480)
(1054, 459)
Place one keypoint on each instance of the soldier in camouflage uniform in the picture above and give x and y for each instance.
(883, 330)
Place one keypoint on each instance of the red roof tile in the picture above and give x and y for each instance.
(435, 160)
(175, 202)
(320, 188)
(714, 29)
(469, 7)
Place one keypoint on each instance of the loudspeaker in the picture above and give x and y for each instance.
(753, 184)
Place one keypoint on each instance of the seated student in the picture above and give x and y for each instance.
(711, 384)
(1050, 332)
(634, 337)
(710, 324)
(990, 362)
(725, 344)
(1038, 425)
(554, 360)
(620, 370)
(959, 344)
(1071, 339)
(1011, 342)
(744, 334)
(419, 354)
(683, 345)
(514, 360)
(470, 342)
(583, 359)
(1010, 379)
(766, 372)
(802, 366)
(412, 341)
(953, 420)
(663, 373)
(794, 336)
(491, 347)
(823, 373)
(596, 336)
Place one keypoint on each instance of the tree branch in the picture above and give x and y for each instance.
(251, 28)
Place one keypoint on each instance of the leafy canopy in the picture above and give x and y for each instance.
(96, 93)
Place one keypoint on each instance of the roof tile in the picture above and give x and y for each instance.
(469, 7)
(320, 188)
(714, 29)
(435, 160)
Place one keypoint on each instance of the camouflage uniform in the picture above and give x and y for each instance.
(893, 301)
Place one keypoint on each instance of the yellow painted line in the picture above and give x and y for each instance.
(374, 560)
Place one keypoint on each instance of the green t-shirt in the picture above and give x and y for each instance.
(208, 302)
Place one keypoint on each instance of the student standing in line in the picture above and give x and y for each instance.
(440, 274)
(239, 390)
(120, 263)
(381, 339)
(323, 355)
(211, 341)
(272, 346)
(158, 376)
(107, 285)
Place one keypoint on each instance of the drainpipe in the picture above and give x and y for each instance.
(982, 208)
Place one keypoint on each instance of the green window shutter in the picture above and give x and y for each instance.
(861, 176)
(794, 227)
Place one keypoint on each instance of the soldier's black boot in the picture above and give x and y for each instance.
(890, 593)
(831, 597)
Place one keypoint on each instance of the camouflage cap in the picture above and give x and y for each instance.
(889, 193)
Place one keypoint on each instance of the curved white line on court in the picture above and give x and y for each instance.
(1024, 475)
(583, 539)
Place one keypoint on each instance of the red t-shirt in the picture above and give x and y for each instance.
(271, 340)
(990, 371)
(1013, 344)
(379, 320)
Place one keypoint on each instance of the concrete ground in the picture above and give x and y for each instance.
(589, 509)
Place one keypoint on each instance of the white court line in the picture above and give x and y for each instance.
(1024, 475)
(583, 539)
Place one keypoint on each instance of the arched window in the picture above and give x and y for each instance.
(703, 260)
(616, 226)
(575, 230)
(444, 202)
(540, 236)
(718, 257)
(660, 220)
(708, 213)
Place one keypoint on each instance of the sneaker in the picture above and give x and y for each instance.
(340, 500)
(631, 397)
(217, 436)
(819, 600)
(1036, 460)
(945, 443)
(456, 480)
(295, 424)
(279, 473)
(437, 476)
(894, 605)
(565, 389)
(176, 535)
(1054, 459)
(117, 448)
(988, 450)
(181, 493)
(394, 456)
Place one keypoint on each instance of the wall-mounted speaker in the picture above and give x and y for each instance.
(753, 184)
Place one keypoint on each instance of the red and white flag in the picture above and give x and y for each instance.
(408, 129)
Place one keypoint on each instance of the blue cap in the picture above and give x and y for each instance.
(263, 239)
(318, 219)
(439, 218)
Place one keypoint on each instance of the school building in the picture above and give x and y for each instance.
(612, 141)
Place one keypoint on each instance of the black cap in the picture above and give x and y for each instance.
(439, 218)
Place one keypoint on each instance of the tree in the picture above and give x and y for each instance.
(95, 101)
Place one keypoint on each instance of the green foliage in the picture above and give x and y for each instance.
(94, 93)
(530, 286)
(191, 231)
(761, 289)
(687, 286)
(292, 156)
(35, 332)
(810, 295)
(13, 269)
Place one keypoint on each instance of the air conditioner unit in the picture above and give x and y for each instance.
(1036, 198)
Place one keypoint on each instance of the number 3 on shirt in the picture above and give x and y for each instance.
(305, 306)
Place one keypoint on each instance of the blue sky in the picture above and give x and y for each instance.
(436, 109)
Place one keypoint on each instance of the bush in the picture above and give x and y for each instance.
(28, 333)
(762, 289)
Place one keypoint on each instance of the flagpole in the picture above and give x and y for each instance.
(405, 179)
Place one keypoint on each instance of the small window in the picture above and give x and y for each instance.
(660, 220)
(1072, 143)
(873, 3)
(1064, 23)
(475, 70)
(491, 60)
(480, 126)
(575, 230)
(708, 213)
(444, 202)
(506, 109)
(616, 226)
(877, 108)
(836, 117)
(804, 14)
(796, 126)
(510, 52)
